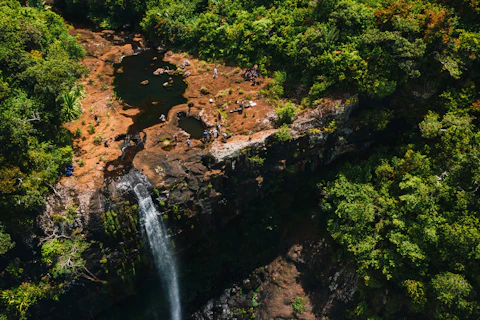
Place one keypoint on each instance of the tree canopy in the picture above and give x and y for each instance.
(39, 68)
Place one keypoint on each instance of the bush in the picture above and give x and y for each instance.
(256, 161)
(204, 90)
(283, 134)
(98, 140)
(286, 113)
(299, 305)
(78, 133)
(275, 85)
(91, 128)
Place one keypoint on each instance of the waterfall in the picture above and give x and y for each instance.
(161, 248)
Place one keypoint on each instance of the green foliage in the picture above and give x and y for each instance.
(78, 133)
(286, 113)
(18, 300)
(299, 304)
(71, 106)
(254, 300)
(274, 88)
(64, 256)
(6, 242)
(256, 161)
(111, 223)
(97, 140)
(410, 221)
(283, 134)
(376, 119)
(121, 223)
(91, 128)
(38, 70)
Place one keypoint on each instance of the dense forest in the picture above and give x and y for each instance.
(406, 212)
(38, 93)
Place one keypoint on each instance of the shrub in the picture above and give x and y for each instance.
(98, 139)
(91, 128)
(223, 113)
(299, 304)
(283, 134)
(78, 133)
(275, 85)
(286, 113)
(256, 161)
(222, 93)
(204, 90)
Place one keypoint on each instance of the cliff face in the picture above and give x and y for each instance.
(203, 196)
(208, 189)
(223, 203)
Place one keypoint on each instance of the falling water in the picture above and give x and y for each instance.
(161, 248)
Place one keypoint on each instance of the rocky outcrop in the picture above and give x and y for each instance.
(283, 288)
(197, 182)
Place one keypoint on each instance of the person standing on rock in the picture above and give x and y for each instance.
(215, 134)
(162, 118)
(189, 143)
(205, 135)
(190, 106)
(215, 73)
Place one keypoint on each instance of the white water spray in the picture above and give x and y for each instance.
(161, 248)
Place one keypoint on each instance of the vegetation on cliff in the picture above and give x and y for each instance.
(38, 73)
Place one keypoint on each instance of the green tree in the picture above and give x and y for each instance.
(6, 242)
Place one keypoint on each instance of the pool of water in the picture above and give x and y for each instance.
(192, 126)
(152, 99)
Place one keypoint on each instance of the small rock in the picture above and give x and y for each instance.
(155, 58)
(159, 71)
(187, 74)
(186, 63)
(144, 82)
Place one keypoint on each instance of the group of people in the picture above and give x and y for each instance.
(252, 74)
(213, 134)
